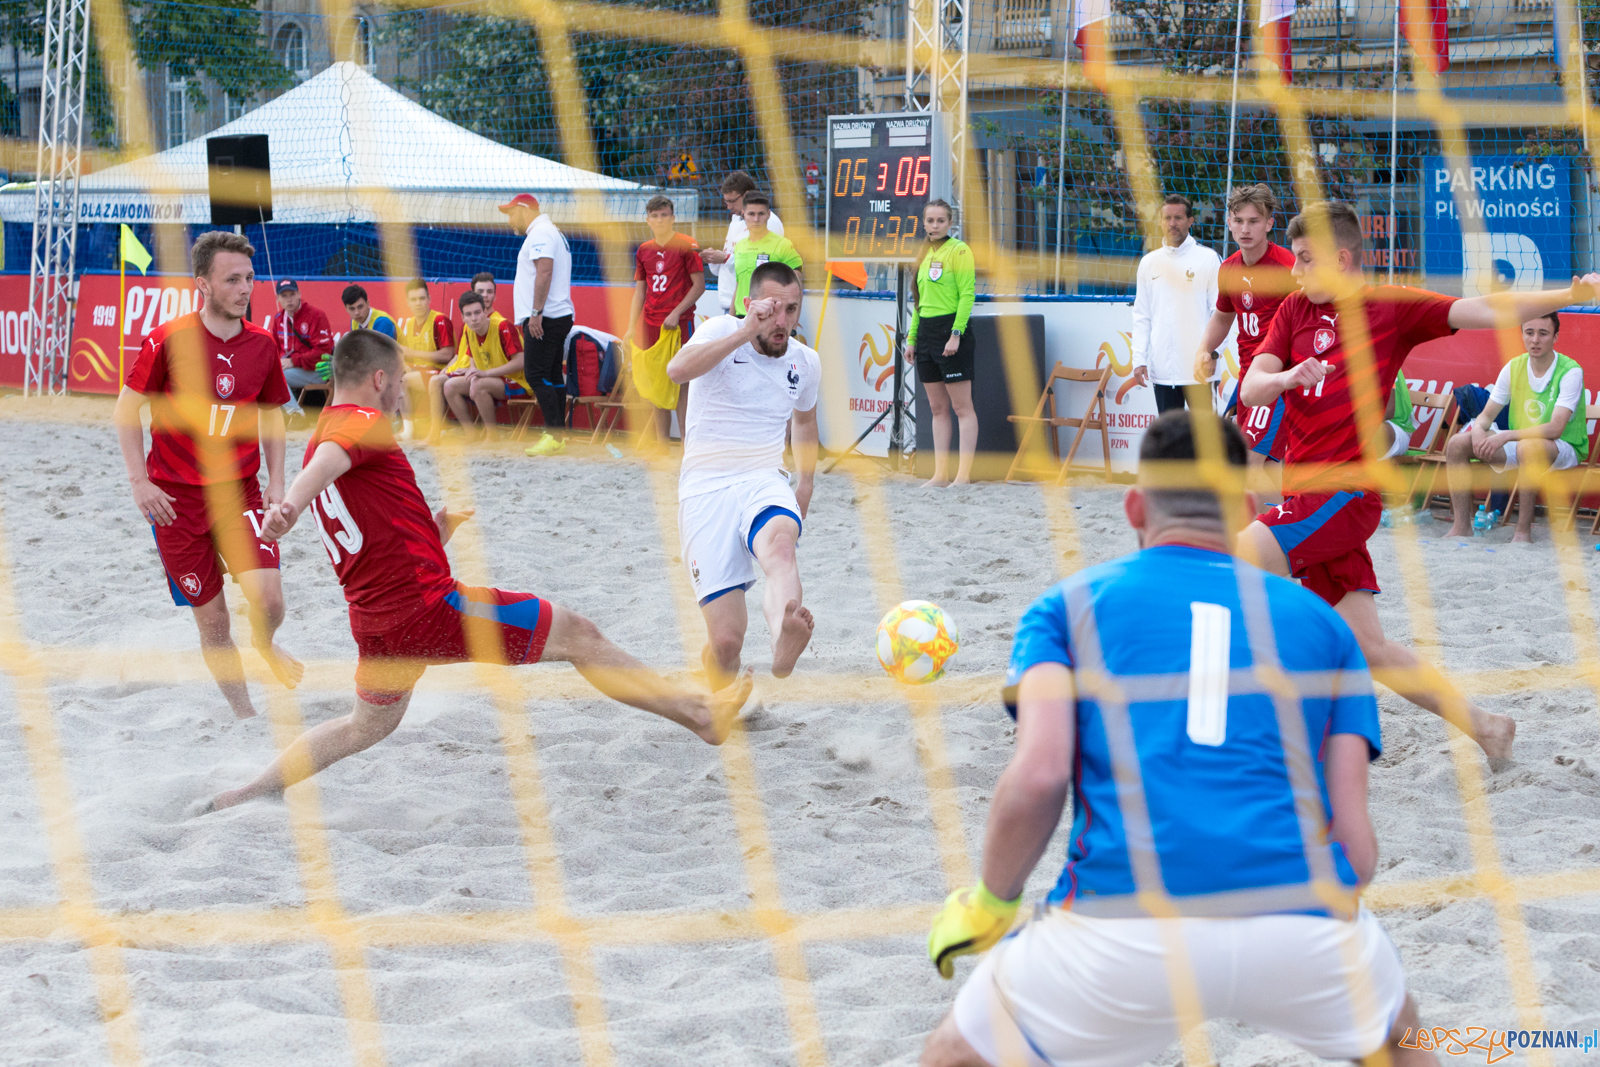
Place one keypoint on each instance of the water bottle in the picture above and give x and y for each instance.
(1400, 516)
(1482, 522)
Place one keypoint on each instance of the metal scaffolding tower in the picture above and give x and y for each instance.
(936, 72)
(52, 287)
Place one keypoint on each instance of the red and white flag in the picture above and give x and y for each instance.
(1089, 28)
(1427, 28)
(1277, 18)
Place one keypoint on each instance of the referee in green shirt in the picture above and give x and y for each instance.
(939, 343)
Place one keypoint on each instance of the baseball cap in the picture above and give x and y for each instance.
(287, 285)
(522, 200)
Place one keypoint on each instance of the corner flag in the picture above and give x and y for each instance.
(132, 251)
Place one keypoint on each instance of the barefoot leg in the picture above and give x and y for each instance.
(222, 656)
(791, 624)
(1423, 684)
(263, 589)
(576, 640)
(324, 744)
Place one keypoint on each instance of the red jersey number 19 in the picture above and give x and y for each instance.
(328, 508)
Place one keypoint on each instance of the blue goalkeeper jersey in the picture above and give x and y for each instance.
(1189, 775)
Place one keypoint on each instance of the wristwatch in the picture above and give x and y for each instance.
(539, 312)
(955, 333)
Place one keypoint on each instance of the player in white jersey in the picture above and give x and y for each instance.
(736, 508)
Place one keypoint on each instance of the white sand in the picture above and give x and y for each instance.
(639, 811)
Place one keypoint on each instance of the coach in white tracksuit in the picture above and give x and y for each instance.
(1174, 295)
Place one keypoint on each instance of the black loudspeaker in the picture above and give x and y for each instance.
(991, 399)
(240, 179)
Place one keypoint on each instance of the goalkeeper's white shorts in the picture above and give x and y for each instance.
(1068, 990)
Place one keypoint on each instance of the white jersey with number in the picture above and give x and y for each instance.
(739, 410)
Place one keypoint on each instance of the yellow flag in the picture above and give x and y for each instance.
(134, 252)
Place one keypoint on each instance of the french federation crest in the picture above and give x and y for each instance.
(225, 385)
(935, 271)
(1322, 341)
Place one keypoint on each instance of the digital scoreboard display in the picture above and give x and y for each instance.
(882, 170)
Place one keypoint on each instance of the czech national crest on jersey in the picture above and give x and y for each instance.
(224, 385)
(1322, 341)
(1248, 299)
(935, 271)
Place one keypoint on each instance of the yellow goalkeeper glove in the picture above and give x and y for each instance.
(972, 920)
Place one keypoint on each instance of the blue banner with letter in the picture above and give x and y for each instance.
(1519, 221)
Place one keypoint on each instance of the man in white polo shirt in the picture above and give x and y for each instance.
(542, 308)
(734, 186)
(1175, 293)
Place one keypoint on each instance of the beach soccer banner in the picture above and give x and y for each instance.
(1518, 215)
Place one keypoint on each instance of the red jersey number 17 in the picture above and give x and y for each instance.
(327, 509)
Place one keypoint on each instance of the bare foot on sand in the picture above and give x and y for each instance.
(792, 638)
(288, 670)
(1522, 537)
(1495, 735)
(725, 705)
(935, 483)
(1459, 529)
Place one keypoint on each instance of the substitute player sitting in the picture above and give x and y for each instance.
(487, 369)
(736, 509)
(429, 342)
(1549, 426)
(1319, 533)
(1250, 285)
(406, 611)
(1197, 794)
(215, 388)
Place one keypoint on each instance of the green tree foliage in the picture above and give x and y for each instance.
(647, 102)
(220, 39)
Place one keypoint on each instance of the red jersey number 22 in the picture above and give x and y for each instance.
(334, 523)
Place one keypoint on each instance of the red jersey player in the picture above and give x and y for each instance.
(1319, 533)
(215, 387)
(669, 277)
(406, 610)
(1250, 285)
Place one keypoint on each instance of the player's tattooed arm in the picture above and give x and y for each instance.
(1499, 309)
(153, 504)
(329, 461)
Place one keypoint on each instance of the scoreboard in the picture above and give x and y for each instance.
(882, 170)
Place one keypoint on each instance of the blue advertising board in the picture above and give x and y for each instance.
(1519, 214)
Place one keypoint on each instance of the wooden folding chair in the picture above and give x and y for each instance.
(612, 405)
(1093, 418)
(1429, 459)
(529, 405)
(1583, 481)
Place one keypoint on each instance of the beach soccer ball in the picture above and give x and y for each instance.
(916, 641)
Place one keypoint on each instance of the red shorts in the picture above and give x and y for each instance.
(1263, 429)
(471, 624)
(1324, 536)
(651, 331)
(208, 534)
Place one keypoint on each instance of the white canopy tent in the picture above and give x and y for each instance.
(345, 148)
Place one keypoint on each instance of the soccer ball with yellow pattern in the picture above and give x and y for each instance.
(916, 641)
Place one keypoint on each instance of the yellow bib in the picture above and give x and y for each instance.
(416, 339)
(485, 353)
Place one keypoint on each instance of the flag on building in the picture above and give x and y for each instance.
(1277, 19)
(1089, 28)
(1425, 24)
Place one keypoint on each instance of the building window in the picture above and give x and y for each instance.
(364, 42)
(234, 107)
(290, 44)
(177, 113)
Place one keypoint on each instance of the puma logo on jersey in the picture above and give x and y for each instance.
(1333, 320)
(229, 359)
(1246, 278)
